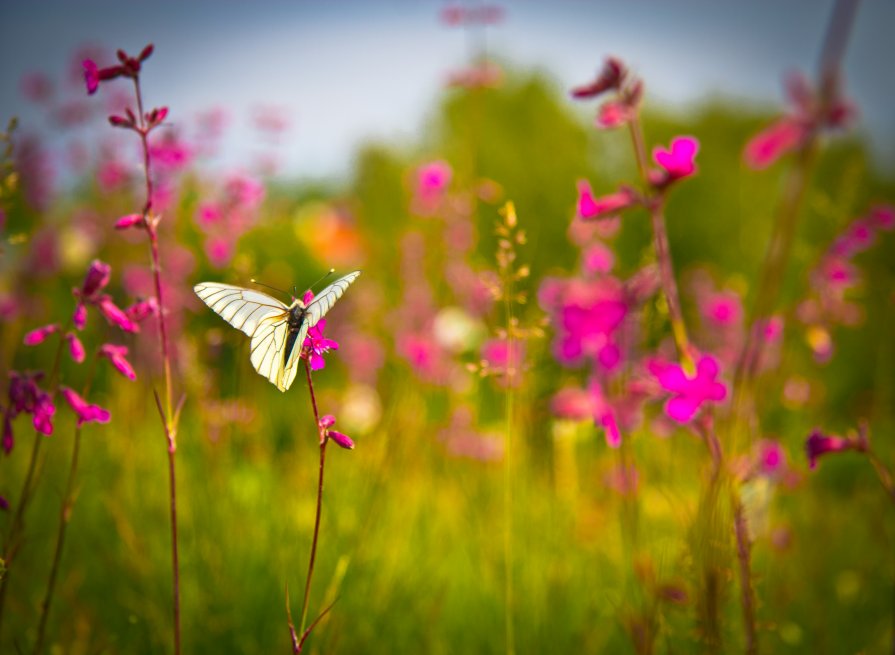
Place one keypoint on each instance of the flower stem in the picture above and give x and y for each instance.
(65, 512)
(512, 363)
(18, 521)
(747, 592)
(313, 556)
(169, 417)
(656, 206)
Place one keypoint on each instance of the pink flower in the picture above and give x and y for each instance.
(316, 345)
(689, 393)
(614, 113)
(678, 162)
(79, 318)
(44, 409)
(579, 404)
(40, 335)
(141, 310)
(114, 315)
(819, 444)
(589, 207)
(598, 259)
(91, 76)
(723, 309)
(432, 180)
(325, 423)
(587, 327)
(504, 359)
(883, 217)
(129, 220)
(96, 279)
(85, 411)
(219, 250)
(771, 458)
(117, 355)
(75, 347)
(768, 146)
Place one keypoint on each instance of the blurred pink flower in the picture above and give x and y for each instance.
(170, 153)
(689, 393)
(40, 334)
(44, 409)
(819, 444)
(723, 309)
(219, 250)
(623, 479)
(505, 360)
(316, 345)
(111, 175)
(432, 180)
(37, 87)
(679, 161)
(769, 145)
(591, 403)
(883, 217)
(75, 347)
(588, 315)
(130, 220)
(114, 315)
(614, 114)
(117, 355)
(84, 410)
(590, 207)
(598, 258)
(141, 310)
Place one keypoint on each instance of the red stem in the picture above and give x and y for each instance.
(168, 419)
(313, 557)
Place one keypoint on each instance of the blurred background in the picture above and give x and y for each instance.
(385, 136)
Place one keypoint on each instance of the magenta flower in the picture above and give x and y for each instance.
(819, 444)
(689, 392)
(40, 334)
(614, 113)
(591, 208)
(85, 411)
(141, 310)
(44, 409)
(883, 217)
(580, 404)
(129, 220)
(117, 355)
(504, 359)
(679, 161)
(723, 309)
(432, 180)
(769, 145)
(325, 423)
(316, 345)
(75, 347)
(91, 76)
(114, 315)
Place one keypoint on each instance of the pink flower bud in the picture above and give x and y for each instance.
(119, 121)
(129, 220)
(117, 356)
(343, 440)
(85, 411)
(75, 347)
(91, 76)
(96, 279)
(40, 335)
(146, 52)
(327, 421)
(79, 318)
(142, 309)
(115, 316)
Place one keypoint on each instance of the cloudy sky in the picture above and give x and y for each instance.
(349, 70)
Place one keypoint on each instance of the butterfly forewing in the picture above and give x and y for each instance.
(244, 309)
(324, 300)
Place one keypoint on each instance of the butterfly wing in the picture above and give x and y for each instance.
(264, 318)
(324, 300)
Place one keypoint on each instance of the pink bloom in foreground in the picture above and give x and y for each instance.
(819, 444)
(316, 345)
(689, 392)
(590, 207)
(679, 161)
(40, 335)
(117, 355)
(86, 412)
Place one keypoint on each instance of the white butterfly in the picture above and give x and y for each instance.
(278, 331)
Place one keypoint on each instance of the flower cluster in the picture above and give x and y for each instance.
(228, 217)
(127, 67)
(835, 276)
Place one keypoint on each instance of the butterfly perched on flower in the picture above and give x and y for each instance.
(277, 330)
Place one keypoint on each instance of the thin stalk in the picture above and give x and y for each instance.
(747, 592)
(656, 207)
(780, 245)
(65, 512)
(313, 556)
(18, 521)
(508, 467)
(168, 417)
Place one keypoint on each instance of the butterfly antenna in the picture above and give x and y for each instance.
(261, 284)
(331, 272)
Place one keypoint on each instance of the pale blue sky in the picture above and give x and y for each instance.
(350, 70)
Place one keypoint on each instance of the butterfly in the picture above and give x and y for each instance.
(278, 331)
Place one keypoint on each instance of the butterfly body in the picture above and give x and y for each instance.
(278, 331)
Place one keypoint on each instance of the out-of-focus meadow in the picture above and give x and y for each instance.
(610, 543)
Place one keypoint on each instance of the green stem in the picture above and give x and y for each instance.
(508, 466)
